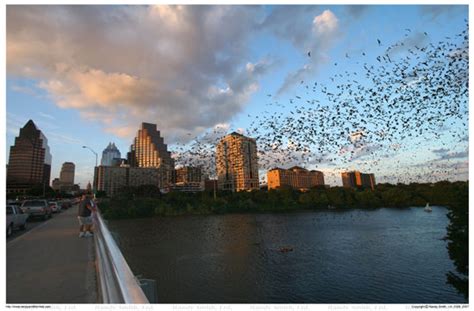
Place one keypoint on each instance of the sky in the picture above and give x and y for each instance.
(89, 75)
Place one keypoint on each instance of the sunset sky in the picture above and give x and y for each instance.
(89, 75)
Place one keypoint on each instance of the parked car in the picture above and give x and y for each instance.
(65, 204)
(37, 208)
(16, 219)
(55, 206)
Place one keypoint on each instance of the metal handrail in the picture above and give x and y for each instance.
(117, 284)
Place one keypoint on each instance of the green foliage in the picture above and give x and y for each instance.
(146, 201)
(458, 237)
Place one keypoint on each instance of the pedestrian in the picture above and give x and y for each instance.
(84, 216)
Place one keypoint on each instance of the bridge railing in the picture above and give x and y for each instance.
(117, 283)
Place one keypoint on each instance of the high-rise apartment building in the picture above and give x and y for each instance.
(295, 177)
(66, 176)
(109, 154)
(30, 160)
(356, 179)
(237, 164)
(149, 150)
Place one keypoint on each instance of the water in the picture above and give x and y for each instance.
(356, 256)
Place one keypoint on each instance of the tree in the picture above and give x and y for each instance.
(458, 237)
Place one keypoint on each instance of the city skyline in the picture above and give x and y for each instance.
(224, 86)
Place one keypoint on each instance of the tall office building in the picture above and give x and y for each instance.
(110, 153)
(295, 177)
(30, 160)
(149, 150)
(237, 165)
(66, 176)
(356, 179)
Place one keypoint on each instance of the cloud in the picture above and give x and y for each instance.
(356, 11)
(282, 22)
(434, 12)
(47, 116)
(445, 154)
(320, 38)
(185, 68)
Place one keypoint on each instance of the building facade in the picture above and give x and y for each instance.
(30, 160)
(66, 176)
(237, 163)
(295, 177)
(356, 179)
(110, 153)
(149, 151)
(187, 179)
(111, 178)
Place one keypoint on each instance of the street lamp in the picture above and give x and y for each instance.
(95, 153)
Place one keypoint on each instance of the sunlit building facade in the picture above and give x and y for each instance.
(295, 177)
(187, 179)
(149, 151)
(30, 160)
(237, 163)
(356, 179)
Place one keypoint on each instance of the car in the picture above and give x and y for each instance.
(37, 208)
(55, 206)
(65, 204)
(16, 219)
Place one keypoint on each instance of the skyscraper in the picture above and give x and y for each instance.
(237, 165)
(149, 150)
(30, 160)
(357, 179)
(110, 153)
(66, 176)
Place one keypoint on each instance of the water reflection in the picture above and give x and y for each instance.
(380, 256)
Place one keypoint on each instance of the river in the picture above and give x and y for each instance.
(355, 256)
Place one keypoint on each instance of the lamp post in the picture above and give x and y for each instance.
(95, 153)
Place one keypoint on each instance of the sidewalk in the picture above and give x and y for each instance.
(51, 264)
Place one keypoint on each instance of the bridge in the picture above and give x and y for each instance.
(51, 264)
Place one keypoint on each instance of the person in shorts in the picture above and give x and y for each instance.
(84, 216)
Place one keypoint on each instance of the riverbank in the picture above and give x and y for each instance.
(132, 205)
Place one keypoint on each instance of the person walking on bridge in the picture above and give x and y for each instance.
(84, 216)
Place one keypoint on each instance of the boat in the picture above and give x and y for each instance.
(428, 208)
(331, 207)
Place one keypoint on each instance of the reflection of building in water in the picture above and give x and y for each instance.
(237, 165)
(295, 177)
(356, 179)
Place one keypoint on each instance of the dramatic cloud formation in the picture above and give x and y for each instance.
(183, 67)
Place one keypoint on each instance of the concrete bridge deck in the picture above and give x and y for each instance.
(51, 264)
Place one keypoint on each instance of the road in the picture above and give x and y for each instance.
(49, 263)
